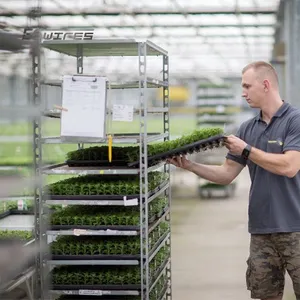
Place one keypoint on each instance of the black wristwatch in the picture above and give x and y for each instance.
(246, 152)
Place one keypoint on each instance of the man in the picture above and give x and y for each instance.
(269, 144)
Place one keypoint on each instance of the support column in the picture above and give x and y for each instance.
(292, 44)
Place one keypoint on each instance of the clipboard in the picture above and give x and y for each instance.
(83, 113)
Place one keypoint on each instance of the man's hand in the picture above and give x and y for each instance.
(234, 144)
(180, 162)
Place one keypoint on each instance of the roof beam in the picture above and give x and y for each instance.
(117, 11)
(158, 26)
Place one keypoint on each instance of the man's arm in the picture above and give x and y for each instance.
(223, 174)
(286, 164)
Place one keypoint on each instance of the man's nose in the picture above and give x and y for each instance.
(244, 94)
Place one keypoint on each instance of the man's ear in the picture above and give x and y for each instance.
(266, 84)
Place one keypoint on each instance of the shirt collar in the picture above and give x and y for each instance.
(282, 109)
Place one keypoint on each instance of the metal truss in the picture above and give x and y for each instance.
(117, 11)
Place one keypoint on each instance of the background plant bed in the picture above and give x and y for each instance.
(13, 235)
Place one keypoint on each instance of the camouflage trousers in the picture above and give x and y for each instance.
(271, 255)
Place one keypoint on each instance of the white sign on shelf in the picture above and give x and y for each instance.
(130, 202)
(83, 111)
(122, 113)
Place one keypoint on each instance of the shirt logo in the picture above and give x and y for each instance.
(278, 142)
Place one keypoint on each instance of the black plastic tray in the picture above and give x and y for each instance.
(214, 141)
(96, 297)
(95, 257)
(83, 297)
(91, 227)
(92, 197)
(21, 212)
(111, 287)
(104, 197)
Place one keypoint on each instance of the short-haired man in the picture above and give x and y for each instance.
(269, 144)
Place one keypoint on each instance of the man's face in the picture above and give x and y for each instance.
(253, 90)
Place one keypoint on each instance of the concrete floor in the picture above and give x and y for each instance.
(210, 243)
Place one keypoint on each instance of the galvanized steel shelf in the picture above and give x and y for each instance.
(103, 47)
(53, 113)
(63, 169)
(115, 47)
(126, 139)
(151, 83)
(87, 292)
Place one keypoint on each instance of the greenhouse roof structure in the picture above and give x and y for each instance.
(204, 39)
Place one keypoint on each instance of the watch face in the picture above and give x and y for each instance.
(246, 153)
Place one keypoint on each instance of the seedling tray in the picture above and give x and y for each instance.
(109, 256)
(151, 222)
(105, 197)
(101, 227)
(202, 145)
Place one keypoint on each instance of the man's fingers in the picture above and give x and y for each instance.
(172, 161)
(177, 161)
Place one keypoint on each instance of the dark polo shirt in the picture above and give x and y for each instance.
(274, 204)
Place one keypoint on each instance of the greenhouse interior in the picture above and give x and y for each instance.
(140, 165)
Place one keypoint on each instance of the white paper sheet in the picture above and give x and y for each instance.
(83, 106)
(122, 113)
